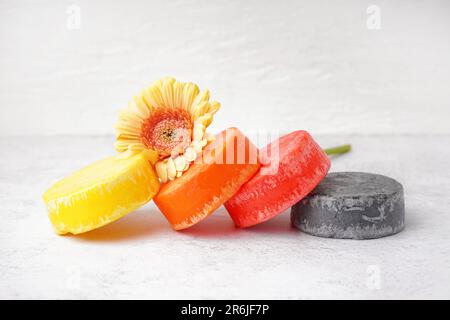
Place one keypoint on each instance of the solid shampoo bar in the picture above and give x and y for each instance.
(100, 193)
(224, 166)
(352, 205)
(291, 167)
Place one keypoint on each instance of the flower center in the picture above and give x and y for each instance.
(168, 131)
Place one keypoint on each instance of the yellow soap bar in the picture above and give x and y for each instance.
(100, 193)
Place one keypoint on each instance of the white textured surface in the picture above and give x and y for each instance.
(141, 257)
(311, 64)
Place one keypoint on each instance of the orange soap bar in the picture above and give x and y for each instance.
(214, 177)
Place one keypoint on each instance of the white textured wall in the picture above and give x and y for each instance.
(273, 64)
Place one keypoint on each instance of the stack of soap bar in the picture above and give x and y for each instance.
(291, 167)
(225, 165)
(100, 193)
(352, 205)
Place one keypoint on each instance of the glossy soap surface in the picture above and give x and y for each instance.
(226, 164)
(100, 193)
(291, 167)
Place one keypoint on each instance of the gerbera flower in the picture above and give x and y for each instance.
(168, 120)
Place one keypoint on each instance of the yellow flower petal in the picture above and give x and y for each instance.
(190, 92)
(149, 99)
(205, 119)
(126, 154)
(151, 155)
(167, 93)
(130, 116)
(123, 130)
(199, 130)
(197, 146)
(199, 110)
(167, 79)
(124, 144)
(178, 94)
(190, 154)
(137, 146)
(161, 171)
(128, 127)
(127, 136)
(171, 171)
(179, 163)
(214, 106)
(202, 97)
(143, 108)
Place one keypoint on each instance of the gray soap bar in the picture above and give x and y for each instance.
(352, 205)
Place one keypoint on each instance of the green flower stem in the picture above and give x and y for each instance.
(338, 150)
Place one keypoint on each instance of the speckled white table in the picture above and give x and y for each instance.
(141, 257)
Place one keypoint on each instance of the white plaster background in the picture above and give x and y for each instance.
(273, 64)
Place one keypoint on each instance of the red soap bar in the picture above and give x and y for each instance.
(292, 166)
